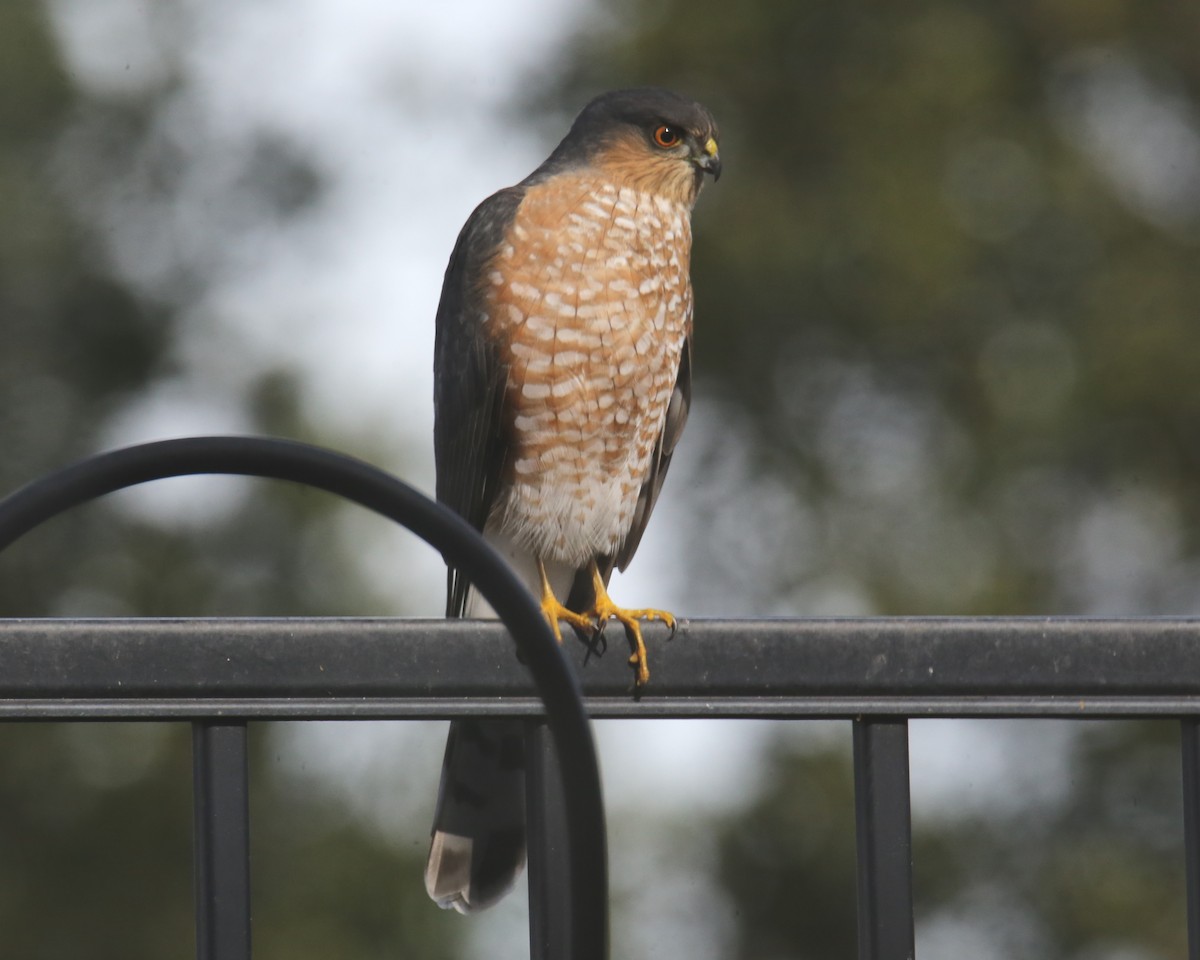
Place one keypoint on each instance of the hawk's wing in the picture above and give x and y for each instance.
(478, 845)
(470, 439)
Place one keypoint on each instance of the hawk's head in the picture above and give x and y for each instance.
(647, 137)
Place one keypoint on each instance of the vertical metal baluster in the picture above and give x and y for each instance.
(884, 830)
(220, 783)
(1190, 740)
(546, 827)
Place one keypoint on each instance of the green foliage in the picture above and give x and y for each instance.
(1099, 868)
(1102, 868)
(945, 343)
(326, 886)
(921, 231)
(790, 856)
(95, 842)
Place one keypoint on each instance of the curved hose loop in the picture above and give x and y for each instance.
(459, 543)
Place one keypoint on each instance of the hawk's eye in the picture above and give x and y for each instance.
(666, 136)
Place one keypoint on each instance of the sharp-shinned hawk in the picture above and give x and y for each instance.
(562, 380)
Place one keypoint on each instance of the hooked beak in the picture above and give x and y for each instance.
(710, 160)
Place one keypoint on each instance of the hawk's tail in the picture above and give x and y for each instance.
(478, 846)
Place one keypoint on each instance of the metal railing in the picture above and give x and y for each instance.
(221, 674)
(564, 745)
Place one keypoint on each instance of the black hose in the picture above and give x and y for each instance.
(438, 526)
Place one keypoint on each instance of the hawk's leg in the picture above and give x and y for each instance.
(603, 608)
(555, 611)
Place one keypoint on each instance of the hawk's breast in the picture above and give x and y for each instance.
(590, 301)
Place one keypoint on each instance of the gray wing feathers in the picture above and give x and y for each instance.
(478, 843)
(470, 444)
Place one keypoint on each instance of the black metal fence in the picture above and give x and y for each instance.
(222, 674)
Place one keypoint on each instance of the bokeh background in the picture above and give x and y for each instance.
(946, 363)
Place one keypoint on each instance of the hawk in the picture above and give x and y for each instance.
(562, 380)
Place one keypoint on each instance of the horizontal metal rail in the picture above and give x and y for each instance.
(389, 667)
(219, 673)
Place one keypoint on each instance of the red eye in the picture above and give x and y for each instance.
(666, 136)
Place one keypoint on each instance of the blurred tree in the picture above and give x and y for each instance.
(787, 859)
(945, 338)
(95, 852)
(1098, 872)
(943, 295)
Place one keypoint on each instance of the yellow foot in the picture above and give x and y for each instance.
(603, 609)
(555, 611)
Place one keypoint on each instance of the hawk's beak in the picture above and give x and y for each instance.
(710, 160)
